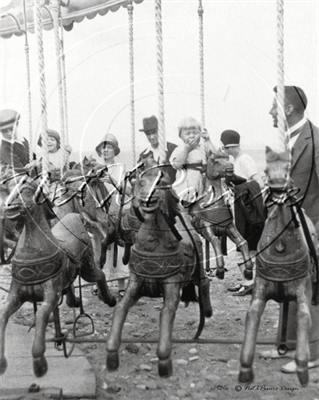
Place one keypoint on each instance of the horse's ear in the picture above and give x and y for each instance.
(268, 149)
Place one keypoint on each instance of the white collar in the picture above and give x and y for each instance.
(150, 148)
(298, 125)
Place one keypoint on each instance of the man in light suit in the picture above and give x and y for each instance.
(304, 140)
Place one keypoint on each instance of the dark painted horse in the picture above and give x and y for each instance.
(45, 264)
(212, 216)
(285, 266)
(165, 259)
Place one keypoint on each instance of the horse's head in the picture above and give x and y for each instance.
(153, 192)
(217, 164)
(87, 164)
(21, 198)
(25, 198)
(277, 169)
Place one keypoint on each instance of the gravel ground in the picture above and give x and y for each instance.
(200, 371)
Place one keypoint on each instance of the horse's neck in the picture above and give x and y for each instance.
(155, 235)
(214, 191)
(36, 236)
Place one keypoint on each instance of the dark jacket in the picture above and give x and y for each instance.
(14, 154)
(250, 214)
(305, 169)
(168, 168)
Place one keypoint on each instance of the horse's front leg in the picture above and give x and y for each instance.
(256, 308)
(303, 329)
(52, 290)
(242, 244)
(208, 233)
(132, 294)
(90, 273)
(12, 304)
(167, 317)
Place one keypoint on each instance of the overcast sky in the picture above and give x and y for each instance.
(240, 70)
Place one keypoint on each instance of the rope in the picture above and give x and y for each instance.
(65, 103)
(280, 69)
(131, 44)
(55, 17)
(27, 56)
(44, 118)
(160, 82)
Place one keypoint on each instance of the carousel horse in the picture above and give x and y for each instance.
(73, 195)
(212, 216)
(165, 259)
(45, 264)
(286, 266)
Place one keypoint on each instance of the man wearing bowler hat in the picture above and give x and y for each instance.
(12, 152)
(150, 128)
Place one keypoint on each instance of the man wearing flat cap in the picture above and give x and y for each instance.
(150, 128)
(12, 152)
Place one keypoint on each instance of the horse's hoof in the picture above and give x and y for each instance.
(246, 375)
(40, 366)
(112, 302)
(165, 368)
(3, 365)
(220, 274)
(248, 275)
(112, 360)
(108, 299)
(76, 303)
(125, 260)
(303, 377)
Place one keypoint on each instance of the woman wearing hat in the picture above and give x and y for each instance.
(108, 149)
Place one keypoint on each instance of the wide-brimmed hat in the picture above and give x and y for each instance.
(110, 139)
(8, 118)
(51, 132)
(149, 124)
(230, 138)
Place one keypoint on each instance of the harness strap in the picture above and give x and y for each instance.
(172, 226)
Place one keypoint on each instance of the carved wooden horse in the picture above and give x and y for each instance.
(212, 216)
(164, 259)
(44, 267)
(285, 268)
(73, 195)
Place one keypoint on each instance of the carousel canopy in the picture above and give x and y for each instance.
(12, 20)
